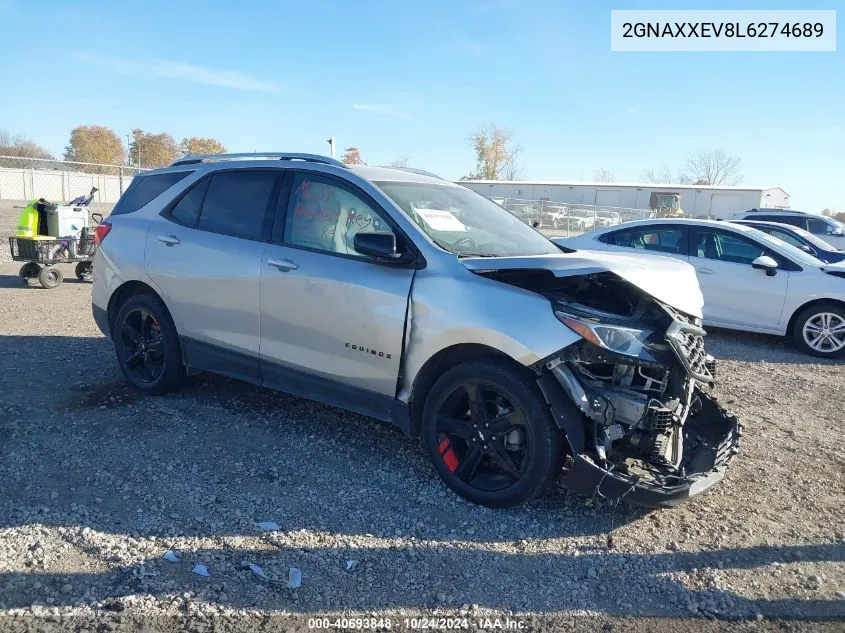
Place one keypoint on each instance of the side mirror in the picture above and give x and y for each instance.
(380, 244)
(535, 224)
(836, 232)
(806, 249)
(764, 262)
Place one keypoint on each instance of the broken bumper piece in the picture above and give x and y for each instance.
(712, 438)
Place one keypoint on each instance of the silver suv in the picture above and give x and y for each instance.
(404, 297)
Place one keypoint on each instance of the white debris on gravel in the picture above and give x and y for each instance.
(767, 540)
(269, 526)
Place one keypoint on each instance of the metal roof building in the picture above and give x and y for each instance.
(697, 201)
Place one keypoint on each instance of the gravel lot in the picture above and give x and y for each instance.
(99, 482)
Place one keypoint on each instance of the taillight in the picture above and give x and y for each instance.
(100, 231)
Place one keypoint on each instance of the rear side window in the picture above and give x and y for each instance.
(663, 240)
(143, 189)
(187, 210)
(237, 203)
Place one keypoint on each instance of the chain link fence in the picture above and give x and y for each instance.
(562, 219)
(23, 179)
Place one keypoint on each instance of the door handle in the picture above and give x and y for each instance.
(283, 264)
(705, 271)
(170, 240)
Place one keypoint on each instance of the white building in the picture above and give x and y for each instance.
(696, 201)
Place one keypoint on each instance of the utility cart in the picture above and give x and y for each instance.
(41, 256)
(52, 233)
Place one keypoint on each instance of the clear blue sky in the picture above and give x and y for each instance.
(414, 78)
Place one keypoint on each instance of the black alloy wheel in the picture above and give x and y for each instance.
(490, 434)
(482, 437)
(147, 345)
(141, 340)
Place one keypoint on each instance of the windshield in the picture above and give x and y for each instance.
(812, 239)
(796, 254)
(465, 222)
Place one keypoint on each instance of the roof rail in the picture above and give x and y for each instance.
(421, 172)
(208, 158)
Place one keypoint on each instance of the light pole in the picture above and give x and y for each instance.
(330, 141)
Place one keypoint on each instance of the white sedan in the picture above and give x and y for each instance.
(750, 280)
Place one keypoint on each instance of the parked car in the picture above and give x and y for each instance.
(799, 238)
(608, 218)
(750, 280)
(418, 302)
(828, 229)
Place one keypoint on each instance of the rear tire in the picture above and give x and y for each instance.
(500, 452)
(820, 331)
(85, 271)
(49, 277)
(28, 271)
(147, 345)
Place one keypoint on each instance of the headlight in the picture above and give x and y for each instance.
(616, 338)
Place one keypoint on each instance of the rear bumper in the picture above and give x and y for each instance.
(101, 318)
(712, 437)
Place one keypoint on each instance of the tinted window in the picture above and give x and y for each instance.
(236, 203)
(323, 214)
(727, 247)
(187, 209)
(783, 235)
(793, 220)
(665, 240)
(818, 227)
(143, 189)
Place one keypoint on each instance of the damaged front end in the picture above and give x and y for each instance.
(633, 395)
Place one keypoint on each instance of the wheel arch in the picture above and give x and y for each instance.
(790, 327)
(441, 362)
(123, 293)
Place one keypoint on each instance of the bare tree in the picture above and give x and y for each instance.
(495, 157)
(20, 145)
(400, 161)
(604, 175)
(352, 157)
(712, 167)
(658, 176)
(513, 169)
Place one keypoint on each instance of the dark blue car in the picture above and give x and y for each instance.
(799, 238)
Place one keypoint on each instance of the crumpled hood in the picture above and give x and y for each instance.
(668, 280)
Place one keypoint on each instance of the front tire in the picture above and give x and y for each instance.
(490, 434)
(820, 330)
(147, 345)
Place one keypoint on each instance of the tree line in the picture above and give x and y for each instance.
(494, 148)
(100, 145)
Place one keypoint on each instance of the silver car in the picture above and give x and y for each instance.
(404, 297)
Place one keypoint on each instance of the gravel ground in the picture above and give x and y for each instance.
(100, 482)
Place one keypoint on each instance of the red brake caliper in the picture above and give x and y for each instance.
(449, 457)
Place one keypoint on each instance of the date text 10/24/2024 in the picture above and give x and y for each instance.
(418, 624)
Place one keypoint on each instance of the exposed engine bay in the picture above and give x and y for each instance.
(641, 379)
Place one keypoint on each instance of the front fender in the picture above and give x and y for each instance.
(446, 311)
